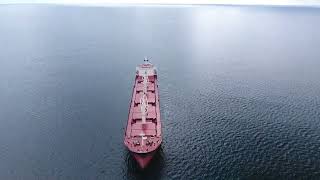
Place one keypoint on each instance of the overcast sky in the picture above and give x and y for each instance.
(102, 2)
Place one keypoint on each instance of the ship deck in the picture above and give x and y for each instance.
(144, 137)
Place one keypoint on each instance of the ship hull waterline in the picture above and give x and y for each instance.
(144, 160)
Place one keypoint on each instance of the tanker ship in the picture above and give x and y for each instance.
(143, 132)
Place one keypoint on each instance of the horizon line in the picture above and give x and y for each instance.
(309, 3)
(162, 4)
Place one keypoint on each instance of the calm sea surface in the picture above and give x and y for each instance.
(239, 91)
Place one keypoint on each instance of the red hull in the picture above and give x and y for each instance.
(143, 132)
(143, 159)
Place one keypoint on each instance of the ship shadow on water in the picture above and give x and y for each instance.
(153, 171)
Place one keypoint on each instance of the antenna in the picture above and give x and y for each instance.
(146, 59)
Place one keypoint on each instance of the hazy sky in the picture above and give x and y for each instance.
(97, 2)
